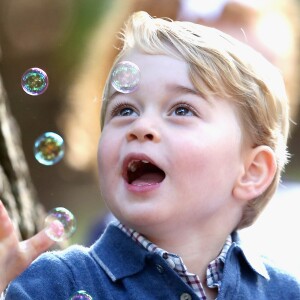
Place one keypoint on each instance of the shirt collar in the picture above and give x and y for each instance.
(108, 251)
(254, 260)
(214, 270)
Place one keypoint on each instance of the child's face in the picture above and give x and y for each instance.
(194, 144)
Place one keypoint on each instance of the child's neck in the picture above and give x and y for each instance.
(197, 243)
(197, 249)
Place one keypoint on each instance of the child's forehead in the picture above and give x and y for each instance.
(151, 74)
(170, 68)
(136, 68)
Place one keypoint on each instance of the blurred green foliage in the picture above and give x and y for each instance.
(88, 13)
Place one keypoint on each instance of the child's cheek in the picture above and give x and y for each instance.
(102, 150)
(107, 153)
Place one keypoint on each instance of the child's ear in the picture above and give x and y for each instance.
(258, 172)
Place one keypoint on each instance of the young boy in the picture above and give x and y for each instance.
(191, 154)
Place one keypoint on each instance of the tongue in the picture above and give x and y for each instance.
(148, 178)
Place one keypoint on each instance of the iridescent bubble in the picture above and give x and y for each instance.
(60, 224)
(49, 148)
(34, 81)
(81, 295)
(125, 77)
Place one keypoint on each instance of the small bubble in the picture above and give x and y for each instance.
(125, 77)
(49, 148)
(34, 81)
(81, 295)
(60, 224)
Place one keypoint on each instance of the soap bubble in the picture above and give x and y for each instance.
(60, 224)
(49, 148)
(34, 81)
(125, 77)
(81, 295)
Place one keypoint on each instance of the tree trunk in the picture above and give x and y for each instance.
(16, 188)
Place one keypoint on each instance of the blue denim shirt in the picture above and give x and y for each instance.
(115, 267)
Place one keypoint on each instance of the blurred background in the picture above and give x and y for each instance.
(74, 42)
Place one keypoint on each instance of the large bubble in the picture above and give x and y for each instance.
(125, 77)
(60, 224)
(81, 295)
(34, 81)
(49, 148)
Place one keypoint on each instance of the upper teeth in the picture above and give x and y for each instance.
(132, 166)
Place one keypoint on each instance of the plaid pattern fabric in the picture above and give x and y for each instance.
(214, 270)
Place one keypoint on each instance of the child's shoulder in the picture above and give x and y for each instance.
(252, 275)
(56, 275)
(59, 274)
(279, 274)
(60, 261)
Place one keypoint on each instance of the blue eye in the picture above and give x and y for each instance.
(123, 110)
(183, 110)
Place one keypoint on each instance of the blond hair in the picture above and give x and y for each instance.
(229, 69)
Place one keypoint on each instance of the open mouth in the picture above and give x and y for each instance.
(143, 172)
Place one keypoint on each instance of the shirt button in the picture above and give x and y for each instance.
(185, 296)
(159, 268)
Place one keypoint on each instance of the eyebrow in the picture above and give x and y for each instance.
(176, 88)
(180, 89)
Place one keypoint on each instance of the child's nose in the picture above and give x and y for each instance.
(143, 129)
